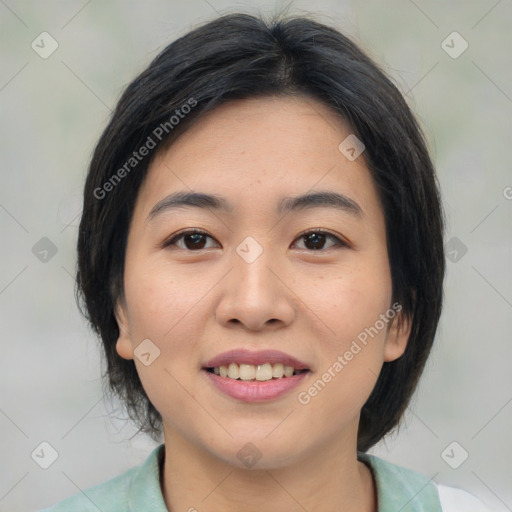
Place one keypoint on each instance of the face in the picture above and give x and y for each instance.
(254, 271)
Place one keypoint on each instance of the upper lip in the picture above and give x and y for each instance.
(244, 356)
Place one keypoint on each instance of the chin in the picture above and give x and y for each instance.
(258, 452)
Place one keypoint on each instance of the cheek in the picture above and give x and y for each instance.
(351, 302)
(171, 307)
(350, 362)
(162, 299)
(168, 309)
(353, 339)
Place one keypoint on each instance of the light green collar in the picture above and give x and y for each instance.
(400, 489)
(144, 492)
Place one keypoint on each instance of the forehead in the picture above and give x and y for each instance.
(259, 151)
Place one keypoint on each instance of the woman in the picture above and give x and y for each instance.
(261, 253)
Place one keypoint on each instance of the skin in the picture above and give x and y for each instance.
(195, 304)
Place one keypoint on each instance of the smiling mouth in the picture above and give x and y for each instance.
(251, 372)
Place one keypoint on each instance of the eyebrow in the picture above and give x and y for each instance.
(327, 199)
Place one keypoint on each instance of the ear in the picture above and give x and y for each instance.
(124, 342)
(397, 336)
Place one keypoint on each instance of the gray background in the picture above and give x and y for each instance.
(52, 112)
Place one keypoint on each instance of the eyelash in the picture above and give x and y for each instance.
(172, 241)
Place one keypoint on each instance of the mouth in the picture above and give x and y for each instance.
(247, 365)
(250, 372)
(252, 376)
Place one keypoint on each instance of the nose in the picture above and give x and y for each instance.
(255, 296)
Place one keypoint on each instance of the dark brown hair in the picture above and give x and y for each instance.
(241, 56)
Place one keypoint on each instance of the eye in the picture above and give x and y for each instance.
(315, 239)
(193, 239)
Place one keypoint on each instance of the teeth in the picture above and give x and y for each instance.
(263, 372)
(288, 371)
(233, 371)
(259, 372)
(247, 372)
(277, 370)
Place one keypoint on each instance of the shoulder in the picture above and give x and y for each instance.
(109, 496)
(139, 484)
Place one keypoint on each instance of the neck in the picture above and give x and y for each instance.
(194, 479)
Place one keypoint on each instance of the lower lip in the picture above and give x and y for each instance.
(255, 391)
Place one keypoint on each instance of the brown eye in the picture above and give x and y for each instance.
(191, 240)
(316, 240)
(194, 241)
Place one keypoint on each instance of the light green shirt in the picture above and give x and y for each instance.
(138, 490)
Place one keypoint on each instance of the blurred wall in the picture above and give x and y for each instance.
(452, 61)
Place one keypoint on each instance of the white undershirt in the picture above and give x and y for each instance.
(456, 500)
